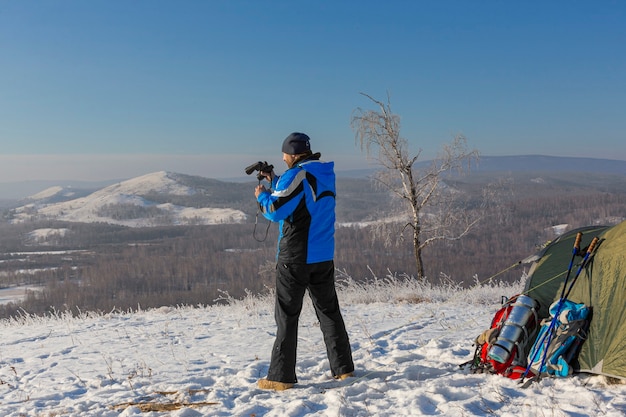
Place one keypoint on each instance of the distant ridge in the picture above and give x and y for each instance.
(525, 163)
(21, 189)
(550, 164)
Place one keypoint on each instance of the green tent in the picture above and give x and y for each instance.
(601, 285)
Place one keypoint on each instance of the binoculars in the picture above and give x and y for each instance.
(261, 167)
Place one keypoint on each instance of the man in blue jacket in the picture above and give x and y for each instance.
(303, 202)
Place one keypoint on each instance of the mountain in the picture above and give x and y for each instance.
(166, 198)
(58, 193)
(157, 199)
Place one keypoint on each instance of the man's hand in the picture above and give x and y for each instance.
(259, 189)
(269, 175)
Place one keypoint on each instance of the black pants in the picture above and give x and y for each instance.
(292, 280)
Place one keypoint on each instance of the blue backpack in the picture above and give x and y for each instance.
(559, 339)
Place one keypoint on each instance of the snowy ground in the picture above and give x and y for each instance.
(407, 343)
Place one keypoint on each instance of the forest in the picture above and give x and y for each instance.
(100, 267)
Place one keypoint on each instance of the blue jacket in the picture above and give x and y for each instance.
(303, 202)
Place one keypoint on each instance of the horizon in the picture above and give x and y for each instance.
(23, 188)
(109, 89)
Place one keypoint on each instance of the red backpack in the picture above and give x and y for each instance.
(503, 348)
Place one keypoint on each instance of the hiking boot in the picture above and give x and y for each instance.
(344, 376)
(275, 385)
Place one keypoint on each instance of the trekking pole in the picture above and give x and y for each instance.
(564, 295)
(590, 250)
(575, 251)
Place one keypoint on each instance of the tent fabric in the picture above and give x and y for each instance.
(549, 270)
(601, 285)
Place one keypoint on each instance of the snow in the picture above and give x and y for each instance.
(46, 233)
(559, 229)
(408, 341)
(18, 293)
(47, 193)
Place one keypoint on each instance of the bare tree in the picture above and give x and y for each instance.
(432, 210)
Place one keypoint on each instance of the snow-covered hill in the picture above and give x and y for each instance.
(407, 341)
(128, 203)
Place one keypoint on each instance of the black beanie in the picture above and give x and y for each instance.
(296, 144)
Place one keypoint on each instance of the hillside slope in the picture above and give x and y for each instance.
(156, 199)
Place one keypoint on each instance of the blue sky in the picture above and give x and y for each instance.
(105, 89)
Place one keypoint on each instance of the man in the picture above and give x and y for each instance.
(303, 202)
